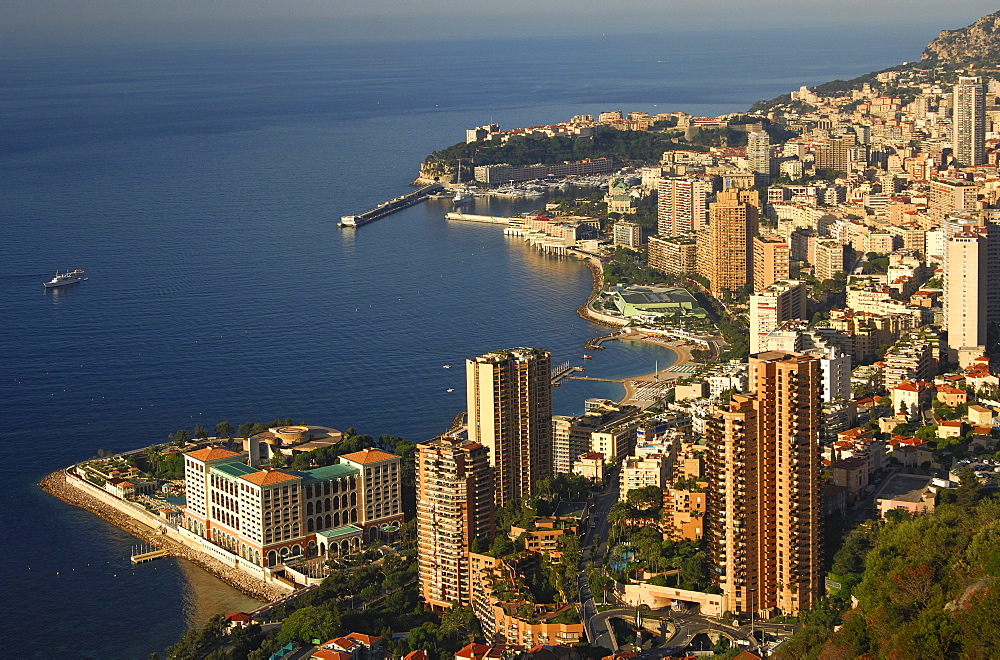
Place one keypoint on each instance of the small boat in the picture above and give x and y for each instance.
(587, 357)
(450, 389)
(446, 366)
(62, 279)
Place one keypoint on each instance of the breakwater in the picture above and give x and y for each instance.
(390, 207)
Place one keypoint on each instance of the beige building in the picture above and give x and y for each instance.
(641, 471)
(682, 204)
(969, 121)
(510, 413)
(454, 507)
(972, 259)
(628, 234)
(769, 308)
(951, 195)
(677, 255)
(732, 225)
(829, 259)
(770, 260)
(764, 525)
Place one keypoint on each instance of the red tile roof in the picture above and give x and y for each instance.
(268, 477)
(211, 454)
(369, 456)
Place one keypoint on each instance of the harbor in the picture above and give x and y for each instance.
(390, 207)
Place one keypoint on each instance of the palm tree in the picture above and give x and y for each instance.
(180, 437)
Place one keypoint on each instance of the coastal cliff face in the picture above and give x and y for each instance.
(975, 44)
(435, 171)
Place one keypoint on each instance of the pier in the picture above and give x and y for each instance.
(149, 556)
(390, 207)
(562, 372)
(471, 217)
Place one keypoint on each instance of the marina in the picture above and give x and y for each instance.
(390, 207)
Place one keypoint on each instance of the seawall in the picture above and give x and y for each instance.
(86, 496)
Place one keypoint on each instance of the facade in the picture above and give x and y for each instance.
(763, 516)
(682, 205)
(266, 516)
(969, 121)
(769, 308)
(759, 152)
(948, 196)
(495, 175)
(732, 225)
(510, 413)
(972, 287)
(641, 471)
(771, 256)
(829, 259)
(454, 507)
(628, 234)
(677, 255)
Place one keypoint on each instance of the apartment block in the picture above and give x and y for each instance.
(763, 514)
(455, 506)
(509, 396)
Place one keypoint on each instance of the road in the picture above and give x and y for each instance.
(595, 547)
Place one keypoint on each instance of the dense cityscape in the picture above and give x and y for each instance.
(826, 268)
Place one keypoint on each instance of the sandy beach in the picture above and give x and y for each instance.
(645, 389)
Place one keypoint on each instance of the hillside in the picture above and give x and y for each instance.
(975, 45)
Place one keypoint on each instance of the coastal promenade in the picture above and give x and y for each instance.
(68, 489)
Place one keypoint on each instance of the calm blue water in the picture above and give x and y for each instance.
(200, 188)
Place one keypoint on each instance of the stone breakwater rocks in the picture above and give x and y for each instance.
(56, 484)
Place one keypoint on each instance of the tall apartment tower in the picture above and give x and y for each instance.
(771, 260)
(971, 288)
(454, 507)
(763, 519)
(969, 121)
(681, 205)
(759, 152)
(769, 308)
(510, 413)
(732, 226)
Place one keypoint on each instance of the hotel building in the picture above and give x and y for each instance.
(266, 516)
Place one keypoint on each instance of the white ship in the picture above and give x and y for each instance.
(62, 279)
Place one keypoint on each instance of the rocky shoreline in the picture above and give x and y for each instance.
(56, 484)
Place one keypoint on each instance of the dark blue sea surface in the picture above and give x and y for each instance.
(200, 189)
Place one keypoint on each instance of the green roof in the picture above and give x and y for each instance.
(346, 530)
(233, 470)
(328, 472)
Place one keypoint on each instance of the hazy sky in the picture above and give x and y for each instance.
(109, 21)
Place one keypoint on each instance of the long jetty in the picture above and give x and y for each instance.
(390, 207)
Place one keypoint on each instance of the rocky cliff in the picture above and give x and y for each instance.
(977, 44)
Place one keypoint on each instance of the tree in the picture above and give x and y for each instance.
(903, 409)
(200, 432)
(245, 430)
(223, 430)
(180, 437)
(277, 458)
(968, 487)
(309, 623)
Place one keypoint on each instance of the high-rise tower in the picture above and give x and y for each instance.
(764, 507)
(454, 507)
(759, 152)
(969, 121)
(729, 254)
(682, 205)
(510, 413)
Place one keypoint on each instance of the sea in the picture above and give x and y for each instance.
(199, 186)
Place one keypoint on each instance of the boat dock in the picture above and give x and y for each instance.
(561, 372)
(390, 207)
(149, 556)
